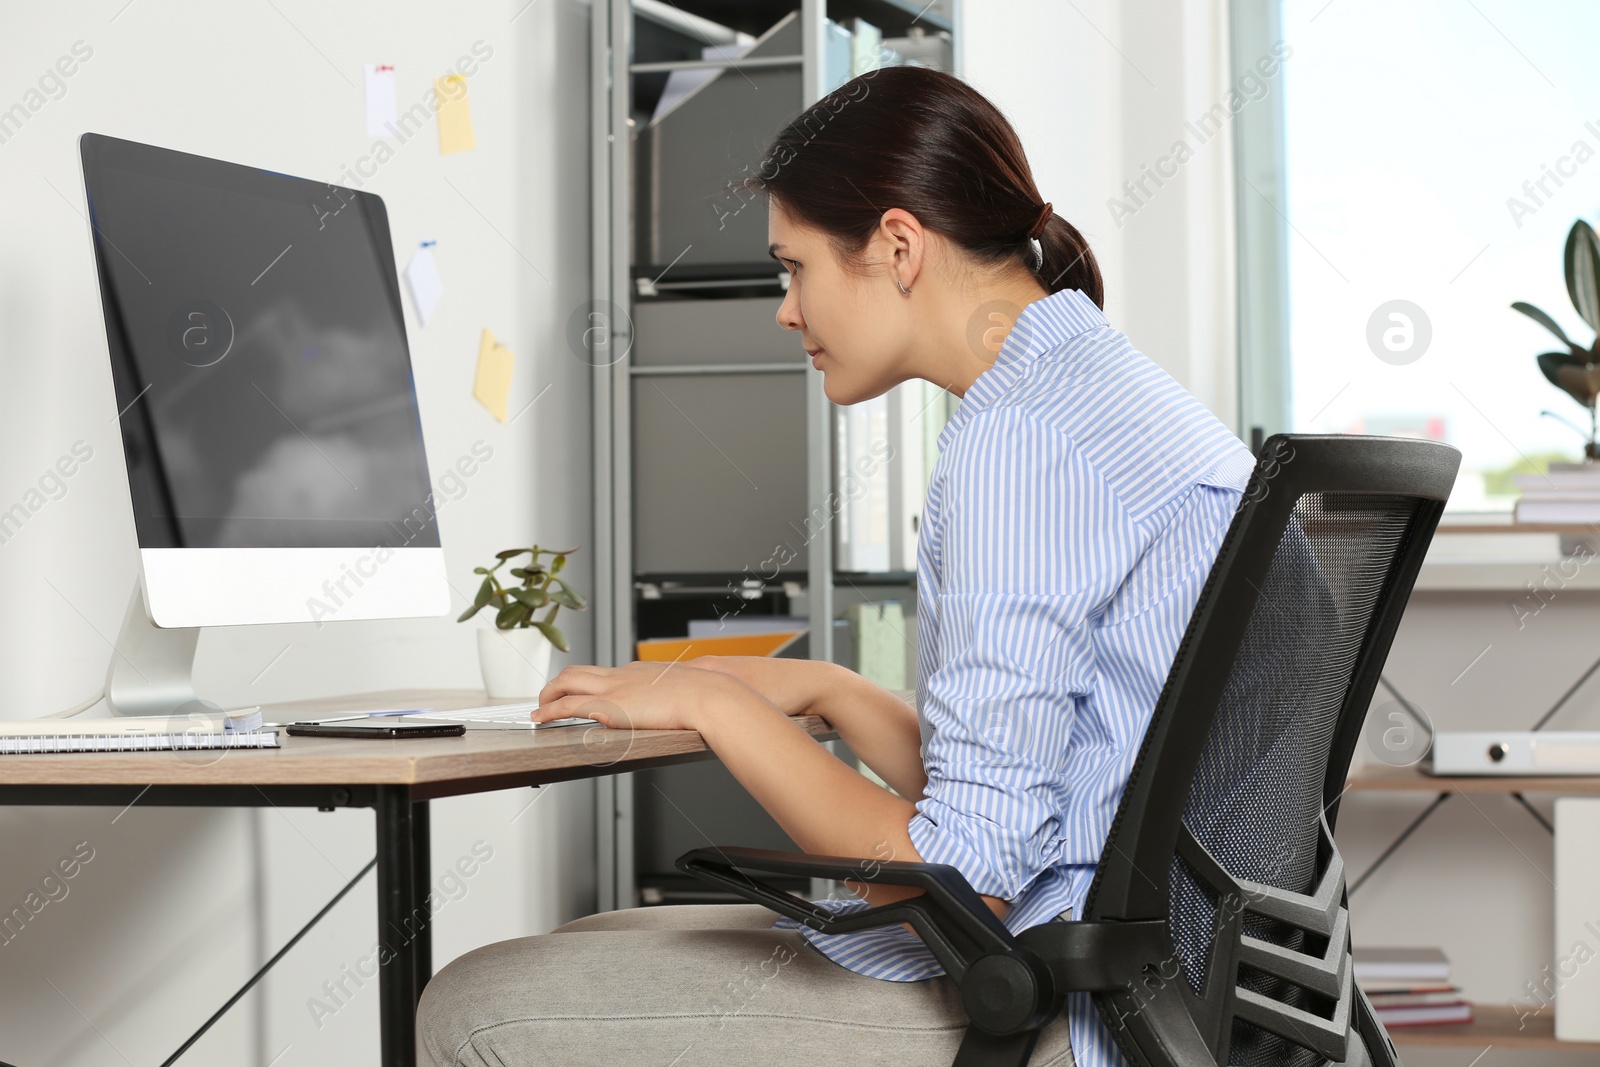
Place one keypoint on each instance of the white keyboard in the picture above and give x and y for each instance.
(508, 714)
(489, 717)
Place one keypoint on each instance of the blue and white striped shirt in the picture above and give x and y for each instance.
(1077, 504)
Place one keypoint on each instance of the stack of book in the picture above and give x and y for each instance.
(1410, 986)
(1569, 493)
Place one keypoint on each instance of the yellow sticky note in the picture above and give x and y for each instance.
(455, 119)
(491, 387)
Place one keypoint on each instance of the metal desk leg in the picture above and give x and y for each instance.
(397, 918)
(422, 865)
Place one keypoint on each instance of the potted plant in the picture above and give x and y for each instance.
(1577, 370)
(515, 655)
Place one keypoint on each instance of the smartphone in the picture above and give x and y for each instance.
(380, 728)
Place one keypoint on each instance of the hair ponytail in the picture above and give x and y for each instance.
(1068, 262)
(919, 139)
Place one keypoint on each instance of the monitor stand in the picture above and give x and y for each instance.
(152, 667)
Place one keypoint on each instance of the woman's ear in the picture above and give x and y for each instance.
(905, 244)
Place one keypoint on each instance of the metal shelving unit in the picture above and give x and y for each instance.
(660, 274)
(1529, 1026)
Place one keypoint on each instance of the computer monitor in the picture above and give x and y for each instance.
(268, 414)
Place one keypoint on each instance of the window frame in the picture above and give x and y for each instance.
(1262, 233)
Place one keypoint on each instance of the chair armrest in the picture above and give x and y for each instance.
(1010, 985)
(949, 916)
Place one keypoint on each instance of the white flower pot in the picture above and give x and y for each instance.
(516, 663)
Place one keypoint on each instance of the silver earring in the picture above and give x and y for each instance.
(903, 289)
(1038, 253)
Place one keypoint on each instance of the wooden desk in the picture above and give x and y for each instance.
(394, 778)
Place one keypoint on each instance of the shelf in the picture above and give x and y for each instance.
(1574, 529)
(764, 272)
(878, 578)
(893, 17)
(1409, 779)
(1487, 553)
(1569, 574)
(1493, 1024)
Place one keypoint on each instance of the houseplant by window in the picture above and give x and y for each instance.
(515, 654)
(1576, 371)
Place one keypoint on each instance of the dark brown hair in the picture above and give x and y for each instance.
(925, 141)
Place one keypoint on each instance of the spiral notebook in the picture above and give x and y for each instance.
(154, 733)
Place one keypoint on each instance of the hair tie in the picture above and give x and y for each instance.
(1046, 213)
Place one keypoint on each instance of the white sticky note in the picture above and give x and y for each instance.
(422, 282)
(380, 99)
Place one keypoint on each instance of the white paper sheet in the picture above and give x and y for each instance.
(380, 99)
(422, 282)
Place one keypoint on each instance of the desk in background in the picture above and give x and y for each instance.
(1531, 1026)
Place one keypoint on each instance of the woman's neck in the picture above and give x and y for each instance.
(966, 327)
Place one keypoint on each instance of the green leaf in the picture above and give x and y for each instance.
(509, 553)
(557, 638)
(469, 613)
(485, 591)
(510, 616)
(1575, 375)
(480, 570)
(1547, 322)
(563, 594)
(534, 598)
(1583, 271)
(557, 563)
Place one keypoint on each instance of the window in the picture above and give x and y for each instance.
(1419, 173)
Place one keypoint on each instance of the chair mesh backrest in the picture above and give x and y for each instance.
(1256, 800)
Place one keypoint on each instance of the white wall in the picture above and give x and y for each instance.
(1097, 90)
(157, 929)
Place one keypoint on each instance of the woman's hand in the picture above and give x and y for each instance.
(640, 696)
(793, 685)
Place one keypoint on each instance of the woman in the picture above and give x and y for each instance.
(1079, 498)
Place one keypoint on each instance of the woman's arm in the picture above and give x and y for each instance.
(827, 806)
(880, 728)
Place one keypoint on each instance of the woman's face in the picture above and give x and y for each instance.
(852, 325)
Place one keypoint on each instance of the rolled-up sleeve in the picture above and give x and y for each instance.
(1031, 543)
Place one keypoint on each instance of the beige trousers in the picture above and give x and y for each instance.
(694, 985)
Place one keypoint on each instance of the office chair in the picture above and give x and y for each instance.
(1215, 930)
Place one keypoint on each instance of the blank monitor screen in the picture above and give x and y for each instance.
(259, 354)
